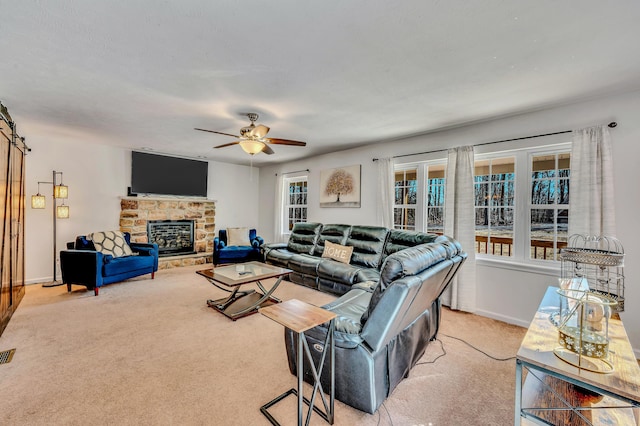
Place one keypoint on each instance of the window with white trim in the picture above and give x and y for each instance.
(406, 199)
(521, 202)
(549, 204)
(494, 193)
(419, 197)
(295, 201)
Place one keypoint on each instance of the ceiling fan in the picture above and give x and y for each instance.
(253, 138)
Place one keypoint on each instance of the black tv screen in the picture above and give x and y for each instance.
(160, 174)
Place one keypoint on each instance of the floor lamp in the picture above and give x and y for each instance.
(59, 212)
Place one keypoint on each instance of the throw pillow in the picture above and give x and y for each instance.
(238, 237)
(111, 242)
(337, 252)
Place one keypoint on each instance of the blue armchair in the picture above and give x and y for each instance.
(223, 252)
(82, 264)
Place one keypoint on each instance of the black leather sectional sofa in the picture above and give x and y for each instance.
(389, 309)
(371, 246)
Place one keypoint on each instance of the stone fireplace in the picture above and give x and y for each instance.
(137, 213)
(174, 237)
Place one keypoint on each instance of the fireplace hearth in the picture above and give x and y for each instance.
(174, 237)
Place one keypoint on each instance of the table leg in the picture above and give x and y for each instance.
(518, 412)
(253, 307)
(300, 374)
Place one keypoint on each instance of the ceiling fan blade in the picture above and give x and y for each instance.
(219, 133)
(267, 149)
(227, 144)
(286, 142)
(260, 131)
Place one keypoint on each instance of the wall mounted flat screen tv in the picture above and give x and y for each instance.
(161, 174)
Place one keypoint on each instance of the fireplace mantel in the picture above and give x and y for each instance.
(167, 198)
(135, 212)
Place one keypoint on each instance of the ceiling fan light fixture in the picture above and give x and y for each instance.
(252, 147)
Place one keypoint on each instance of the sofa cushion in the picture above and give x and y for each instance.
(238, 237)
(398, 239)
(279, 257)
(337, 252)
(303, 237)
(111, 242)
(304, 263)
(368, 245)
(332, 232)
(125, 264)
(337, 271)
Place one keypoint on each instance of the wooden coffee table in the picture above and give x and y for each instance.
(230, 278)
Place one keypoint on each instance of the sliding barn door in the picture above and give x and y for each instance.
(12, 166)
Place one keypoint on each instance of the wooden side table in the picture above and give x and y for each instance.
(551, 391)
(299, 317)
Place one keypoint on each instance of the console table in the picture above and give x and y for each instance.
(300, 317)
(551, 391)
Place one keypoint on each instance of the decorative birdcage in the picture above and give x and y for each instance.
(583, 329)
(600, 260)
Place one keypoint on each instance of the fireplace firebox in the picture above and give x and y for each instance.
(174, 237)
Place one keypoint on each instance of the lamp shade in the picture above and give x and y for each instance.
(251, 147)
(37, 201)
(61, 191)
(62, 212)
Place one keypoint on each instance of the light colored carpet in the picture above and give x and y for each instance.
(150, 352)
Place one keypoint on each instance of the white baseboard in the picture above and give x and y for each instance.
(38, 280)
(503, 318)
(521, 323)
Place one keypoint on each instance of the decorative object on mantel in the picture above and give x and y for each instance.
(253, 138)
(38, 201)
(598, 259)
(340, 187)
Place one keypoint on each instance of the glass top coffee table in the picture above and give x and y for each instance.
(230, 278)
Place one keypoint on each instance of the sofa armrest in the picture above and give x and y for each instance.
(367, 286)
(147, 249)
(257, 242)
(144, 249)
(275, 246)
(82, 267)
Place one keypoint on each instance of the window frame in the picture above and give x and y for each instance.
(520, 259)
(422, 192)
(287, 181)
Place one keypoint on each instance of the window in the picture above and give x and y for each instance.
(494, 205)
(435, 198)
(522, 203)
(295, 201)
(406, 199)
(419, 197)
(549, 211)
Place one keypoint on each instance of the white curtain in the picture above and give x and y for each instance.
(278, 225)
(385, 192)
(592, 202)
(460, 224)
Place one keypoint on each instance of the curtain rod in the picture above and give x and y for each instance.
(611, 125)
(296, 171)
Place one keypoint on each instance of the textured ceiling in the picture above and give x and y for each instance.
(142, 74)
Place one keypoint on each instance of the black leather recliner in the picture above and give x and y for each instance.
(383, 328)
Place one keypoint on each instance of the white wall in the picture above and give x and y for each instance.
(506, 294)
(97, 176)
